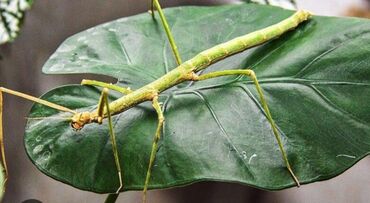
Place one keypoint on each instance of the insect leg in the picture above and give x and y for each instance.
(103, 103)
(106, 85)
(151, 11)
(3, 161)
(157, 136)
(37, 100)
(252, 75)
(28, 97)
(155, 4)
(111, 198)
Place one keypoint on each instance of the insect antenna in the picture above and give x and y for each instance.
(27, 97)
(49, 117)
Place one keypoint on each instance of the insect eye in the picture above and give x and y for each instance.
(75, 126)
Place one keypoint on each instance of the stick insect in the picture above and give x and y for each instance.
(187, 71)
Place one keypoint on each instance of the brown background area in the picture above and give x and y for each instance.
(46, 26)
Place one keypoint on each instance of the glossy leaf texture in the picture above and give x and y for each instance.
(316, 80)
(11, 17)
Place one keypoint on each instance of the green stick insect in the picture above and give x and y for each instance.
(186, 71)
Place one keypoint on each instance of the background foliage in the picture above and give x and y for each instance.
(11, 17)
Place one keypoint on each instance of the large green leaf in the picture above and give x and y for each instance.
(11, 18)
(315, 78)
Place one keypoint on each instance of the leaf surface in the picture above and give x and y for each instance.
(316, 79)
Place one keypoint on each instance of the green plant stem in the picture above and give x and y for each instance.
(111, 198)
(168, 31)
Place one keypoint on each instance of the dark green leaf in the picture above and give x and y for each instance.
(315, 78)
(11, 18)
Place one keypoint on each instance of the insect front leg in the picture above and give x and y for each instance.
(103, 103)
(106, 85)
(155, 4)
(27, 97)
(157, 107)
(253, 77)
(3, 161)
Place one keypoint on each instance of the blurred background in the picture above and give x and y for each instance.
(47, 24)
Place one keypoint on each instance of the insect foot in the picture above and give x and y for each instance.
(80, 119)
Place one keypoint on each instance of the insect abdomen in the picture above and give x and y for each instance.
(239, 44)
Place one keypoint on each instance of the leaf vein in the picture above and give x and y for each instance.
(226, 135)
(330, 103)
(123, 48)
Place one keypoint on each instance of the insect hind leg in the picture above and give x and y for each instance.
(155, 5)
(117, 88)
(250, 73)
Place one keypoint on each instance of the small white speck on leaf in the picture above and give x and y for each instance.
(244, 154)
(250, 159)
(345, 155)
